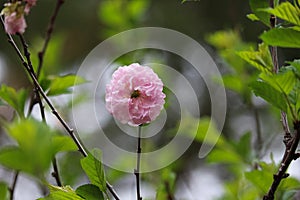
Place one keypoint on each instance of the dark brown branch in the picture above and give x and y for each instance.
(49, 103)
(50, 28)
(289, 155)
(137, 170)
(13, 186)
(291, 142)
(36, 98)
(55, 172)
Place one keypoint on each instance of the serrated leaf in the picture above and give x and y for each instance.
(260, 59)
(15, 99)
(282, 37)
(286, 11)
(61, 85)
(90, 192)
(94, 169)
(269, 94)
(256, 6)
(283, 82)
(61, 193)
(3, 191)
(296, 65)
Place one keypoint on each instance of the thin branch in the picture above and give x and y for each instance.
(13, 186)
(259, 140)
(55, 172)
(289, 155)
(37, 98)
(137, 170)
(273, 49)
(53, 110)
(168, 190)
(50, 28)
(41, 54)
(291, 142)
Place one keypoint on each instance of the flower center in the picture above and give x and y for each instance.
(135, 94)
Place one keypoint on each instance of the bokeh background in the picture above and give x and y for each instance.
(81, 25)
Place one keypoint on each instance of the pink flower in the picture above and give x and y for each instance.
(134, 95)
(14, 23)
(29, 4)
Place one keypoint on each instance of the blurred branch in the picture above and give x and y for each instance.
(50, 28)
(12, 189)
(259, 140)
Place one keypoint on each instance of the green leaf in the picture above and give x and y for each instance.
(282, 37)
(260, 59)
(90, 192)
(63, 143)
(282, 82)
(166, 185)
(3, 191)
(15, 158)
(252, 17)
(61, 193)
(262, 179)
(234, 83)
(296, 65)
(94, 169)
(15, 99)
(286, 11)
(268, 93)
(256, 6)
(61, 85)
(37, 145)
(243, 147)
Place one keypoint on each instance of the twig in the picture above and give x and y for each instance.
(41, 54)
(273, 49)
(37, 98)
(137, 170)
(13, 186)
(259, 140)
(291, 142)
(50, 28)
(168, 190)
(53, 110)
(55, 172)
(289, 155)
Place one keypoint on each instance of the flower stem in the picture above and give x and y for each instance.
(137, 170)
(12, 189)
